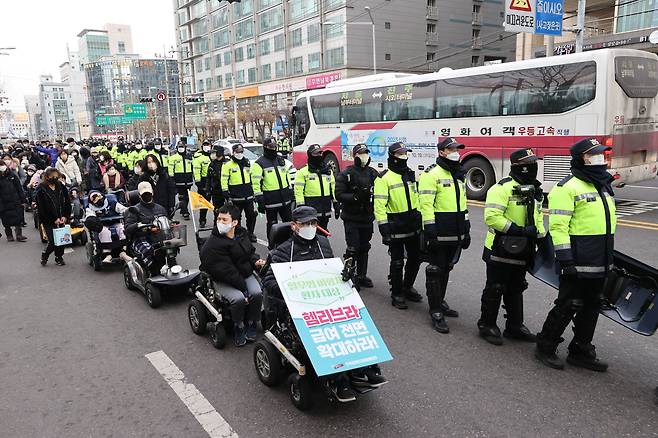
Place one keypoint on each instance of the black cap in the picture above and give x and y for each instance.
(360, 149)
(304, 214)
(314, 149)
(269, 143)
(588, 146)
(397, 147)
(238, 148)
(205, 143)
(449, 142)
(523, 156)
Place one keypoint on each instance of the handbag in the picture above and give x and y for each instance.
(516, 247)
(62, 236)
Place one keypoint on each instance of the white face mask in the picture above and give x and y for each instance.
(3, 169)
(223, 228)
(307, 232)
(138, 171)
(403, 157)
(181, 150)
(453, 156)
(206, 149)
(157, 147)
(364, 159)
(138, 147)
(238, 156)
(213, 156)
(596, 160)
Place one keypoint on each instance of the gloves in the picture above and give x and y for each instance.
(336, 210)
(569, 270)
(385, 231)
(529, 231)
(260, 203)
(466, 242)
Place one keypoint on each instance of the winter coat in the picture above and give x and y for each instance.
(113, 182)
(354, 190)
(53, 153)
(70, 170)
(11, 198)
(52, 203)
(141, 213)
(93, 173)
(227, 260)
(164, 188)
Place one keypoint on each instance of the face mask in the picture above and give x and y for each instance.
(213, 156)
(53, 180)
(206, 149)
(30, 172)
(138, 147)
(153, 167)
(224, 228)
(596, 160)
(307, 232)
(138, 170)
(157, 147)
(238, 156)
(3, 169)
(403, 157)
(147, 197)
(101, 158)
(453, 156)
(181, 150)
(74, 155)
(363, 159)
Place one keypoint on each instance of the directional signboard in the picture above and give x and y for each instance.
(542, 17)
(113, 119)
(135, 111)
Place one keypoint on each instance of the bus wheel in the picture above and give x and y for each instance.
(479, 177)
(331, 161)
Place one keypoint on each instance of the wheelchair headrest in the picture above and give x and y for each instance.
(132, 198)
(279, 234)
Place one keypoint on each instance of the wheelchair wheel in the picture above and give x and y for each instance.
(196, 313)
(218, 335)
(300, 391)
(127, 278)
(153, 295)
(268, 363)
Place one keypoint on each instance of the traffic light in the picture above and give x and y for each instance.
(146, 99)
(233, 1)
(194, 99)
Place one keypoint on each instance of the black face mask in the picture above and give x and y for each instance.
(397, 165)
(53, 180)
(315, 161)
(525, 174)
(270, 153)
(147, 197)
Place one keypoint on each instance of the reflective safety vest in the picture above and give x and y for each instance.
(504, 210)
(181, 169)
(121, 159)
(396, 203)
(200, 164)
(315, 189)
(236, 180)
(443, 204)
(271, 181)
(164, 159)
(582, 223)
(113, 152)
(134, 156)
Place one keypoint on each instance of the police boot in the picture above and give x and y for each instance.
(445, 308)
(487, 327)
(584, 356)
(410, 274)
(434, 297)
(395, 280)
(19, 235)
(514, 328)
(551, 335)
(362, 270)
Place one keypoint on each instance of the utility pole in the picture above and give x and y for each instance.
(580, 26)
(233, 83)
(167, 100)
(374, 46)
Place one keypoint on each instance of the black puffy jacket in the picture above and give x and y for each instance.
(11, 198)
(52, 203)
(296, 249)
(164, 188)
(141, 213)
(354, 190)
(228, 260)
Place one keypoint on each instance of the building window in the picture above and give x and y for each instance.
(221, 39)
(430, 56)
(200, 46)
(335, 57)
(331, 4)
(300, 9)
(208, 83)
(198, 10)
(296, 37)
(262, 4)
(242, 9)
(431, 27)
(198, 65)
(251, 75)
(335, 29)
(227, 58)
(266, 72)
(206, 63)
(387, 25)
(314, 61)
(297, 65)
(219, 18)
(636, 15)
(122, 47)
(271, 19)
(264, 46)
(200, 27)
(228, 79)
(199, 86)
(251, 51)
(279, 42)
(387, 56)
(243, 30)
(218, 81)
(280, 69)
(313, 32)
(239, 54)
(240, 77)
(218, 60)
(475, 60)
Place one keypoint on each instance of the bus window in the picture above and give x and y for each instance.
(326, 108)
(361, 106)
(472, 96)
(546, 90)
(409, 101)
(300, 113)
(638, 77)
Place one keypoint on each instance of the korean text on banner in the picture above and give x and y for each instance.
(198, 202)
(331, 319)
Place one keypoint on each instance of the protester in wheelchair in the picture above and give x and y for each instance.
(104, 216)
(229, 257)
(305, 244)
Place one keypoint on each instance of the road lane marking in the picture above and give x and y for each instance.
(262, 242)
(641, 187)
(213, 423)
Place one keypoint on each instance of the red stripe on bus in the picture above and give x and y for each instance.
(379, 125)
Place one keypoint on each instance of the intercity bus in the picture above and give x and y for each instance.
(547, 104)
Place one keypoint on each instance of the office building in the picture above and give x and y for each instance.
(270, 50)
(33, 108)
(56, 108)
(72, 74)
(113, 39)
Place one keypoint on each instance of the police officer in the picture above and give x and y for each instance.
(138, 154)
(315, 185)
(271, 184)
(214, 180)
(447, 228)
(181, 168)
(162, 153)
(354, 190)
(509, 246)
(399, 220)
(582, 226)
(200, 163)
(237, 186)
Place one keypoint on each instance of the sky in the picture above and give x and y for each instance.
(40, 30)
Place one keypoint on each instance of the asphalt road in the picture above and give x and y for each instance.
(73, 346)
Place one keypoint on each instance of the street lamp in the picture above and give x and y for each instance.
(374, 39)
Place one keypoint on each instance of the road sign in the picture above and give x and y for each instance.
(135, 111)
(99, 111)
(160, 96)
(543, 17)
(113, 119)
